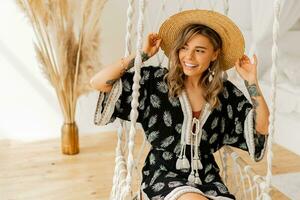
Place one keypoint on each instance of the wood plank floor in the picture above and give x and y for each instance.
(38, 170)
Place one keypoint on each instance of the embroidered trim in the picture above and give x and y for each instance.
(206, 113)
(193, 139)
(187, 114)
(184, 124)
(249, 132)
(189, 118)
(182, 162)
(102, 116)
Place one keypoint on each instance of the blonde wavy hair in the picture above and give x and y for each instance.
(175, 76)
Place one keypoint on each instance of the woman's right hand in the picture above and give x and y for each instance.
(152, 44)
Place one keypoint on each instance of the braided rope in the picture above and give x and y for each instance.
(257, 180)
(134, 104)
(242, 180)
(195, 4)
(247, 168)
(234, 156)
(180, 7)
(119, 165)
(212, 5)
(226, 7)
(128, 28)
(276, 7)
(223, 158)
(160, 58)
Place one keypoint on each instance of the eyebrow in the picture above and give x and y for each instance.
(201, 47)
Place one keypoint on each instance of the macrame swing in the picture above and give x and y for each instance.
(247, 184)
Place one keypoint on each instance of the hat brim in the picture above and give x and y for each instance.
(233, 44)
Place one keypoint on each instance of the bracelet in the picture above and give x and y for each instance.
(123, 64)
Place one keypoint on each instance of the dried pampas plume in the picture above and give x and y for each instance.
(67, 45)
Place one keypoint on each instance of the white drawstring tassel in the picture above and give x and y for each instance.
(196, 163)
(196, 156)
(197, 179)
(179, 163)
(182, 162)
(185, 161)
(191, 177)
(196, 160)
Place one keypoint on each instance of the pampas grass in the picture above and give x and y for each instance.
(67, 45)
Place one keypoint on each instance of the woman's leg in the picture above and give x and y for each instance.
(192, 196)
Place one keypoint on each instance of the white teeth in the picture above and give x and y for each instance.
(190, 65)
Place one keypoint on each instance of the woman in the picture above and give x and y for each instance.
(189, 111)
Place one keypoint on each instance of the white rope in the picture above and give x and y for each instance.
(160, 59)
(255, 179)
(212, 6)
(223, 158)
(226, 7)
(277, 4)
(237, 169)
(162, 12)
(195, 4)
(242, 178)
(120, 165)
(129, 28)
(234, 156)
(247, 169)
(180, 7)
(237, 160)
(134, 104)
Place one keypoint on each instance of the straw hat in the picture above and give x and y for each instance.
(233, 43)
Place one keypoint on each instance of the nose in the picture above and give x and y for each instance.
(189, 54)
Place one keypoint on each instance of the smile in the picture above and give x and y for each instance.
(189, 65)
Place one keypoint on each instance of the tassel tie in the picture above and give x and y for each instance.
(195, 144)
(182, 161)
(191, 131)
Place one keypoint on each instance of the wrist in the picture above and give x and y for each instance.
(253, 88)
(252, 81)
(145, 55)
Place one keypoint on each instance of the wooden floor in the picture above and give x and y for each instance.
(38, 171)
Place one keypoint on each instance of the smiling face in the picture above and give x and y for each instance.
(196, 49)
(196, 55)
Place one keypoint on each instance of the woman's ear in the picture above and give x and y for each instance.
(215, 55)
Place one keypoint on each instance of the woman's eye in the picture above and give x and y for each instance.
(184, 48)
(200, 51)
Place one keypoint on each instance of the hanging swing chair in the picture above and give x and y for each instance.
(243, 182)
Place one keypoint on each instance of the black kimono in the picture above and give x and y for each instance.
(181, 159)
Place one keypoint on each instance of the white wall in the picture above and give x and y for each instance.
(28, 105)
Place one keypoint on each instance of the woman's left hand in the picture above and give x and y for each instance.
(246, 69)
